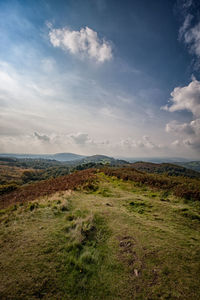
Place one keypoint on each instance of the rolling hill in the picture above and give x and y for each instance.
(113, 233)
(102, 159)
(165, 168)
(193, 165)
(58, 156)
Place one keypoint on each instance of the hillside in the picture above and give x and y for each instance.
(193, 165)
(165, 168)
(93, 236)
(19, 171)
(57, 156)
(46, 187)
(102, 159)
(156, 160)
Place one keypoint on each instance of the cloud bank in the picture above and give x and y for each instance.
(41, 137)
(81, 138)
(145, 142)
(189, 32)
(186, 98)
(83, 43)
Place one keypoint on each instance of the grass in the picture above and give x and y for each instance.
(187, 188)
(109, 240)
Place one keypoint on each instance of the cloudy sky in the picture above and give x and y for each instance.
(114, 77)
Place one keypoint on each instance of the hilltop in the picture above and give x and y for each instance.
(193, 165)
(57, 156)
(111, 233)
(103, 159)
(165, 168)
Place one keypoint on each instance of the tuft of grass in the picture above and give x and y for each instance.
(190, 215)
(139, 207)
(31, 206)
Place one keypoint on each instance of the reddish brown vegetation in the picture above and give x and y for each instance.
(181, 187)
(166, 169)
(47, 187)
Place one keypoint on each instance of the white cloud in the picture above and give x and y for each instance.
(187, 3)
(192, 39)
(192, 128)
(189, 32)
(186, 98)
(185, 26)
(189, 133)
(41, 137)
(178, 128)
(176, 143)
(193, 143)
(84, 43)
(81, 138)
(145, 142)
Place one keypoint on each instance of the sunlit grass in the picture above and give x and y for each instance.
(110, 240)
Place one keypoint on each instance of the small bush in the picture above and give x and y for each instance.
(90, 187)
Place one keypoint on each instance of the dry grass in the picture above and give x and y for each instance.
(112, 239)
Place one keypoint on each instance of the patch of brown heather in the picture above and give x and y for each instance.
(47, 187)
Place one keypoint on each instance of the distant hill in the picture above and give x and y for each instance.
(67, 156)
(194, 165)
(157, 160)
(10, 167)
(57, 156)
(166, 168)
(102, 159)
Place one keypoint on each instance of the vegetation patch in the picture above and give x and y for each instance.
(100, 241)
(139, 207)
(181, 187)
(6, 188)
(84, 256)
(190, 214)
(55, 256)
(48, 187)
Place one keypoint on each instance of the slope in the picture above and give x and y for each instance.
(165, 168)
(193, 165)
(109, 239)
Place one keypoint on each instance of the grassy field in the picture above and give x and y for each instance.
(108, 240)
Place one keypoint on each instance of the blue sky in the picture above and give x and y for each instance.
(97, 76)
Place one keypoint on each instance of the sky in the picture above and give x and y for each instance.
(112, 77)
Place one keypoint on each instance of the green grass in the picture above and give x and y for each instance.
(110, 240)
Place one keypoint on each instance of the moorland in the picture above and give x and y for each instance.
(98, 228)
